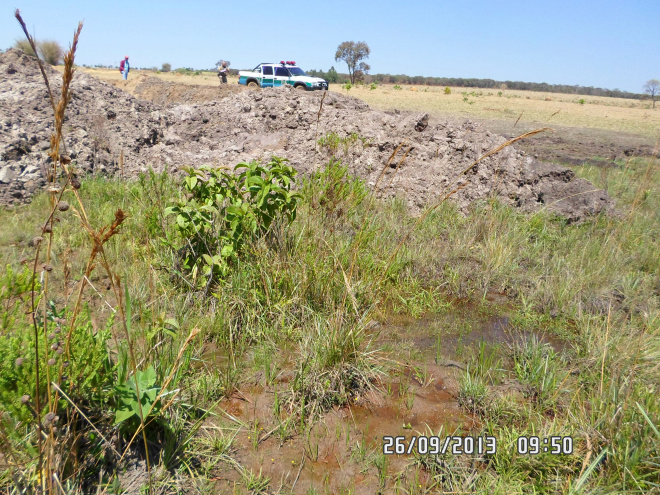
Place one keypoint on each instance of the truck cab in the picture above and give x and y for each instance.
(268, 75)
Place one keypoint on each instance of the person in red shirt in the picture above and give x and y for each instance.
(124, 67)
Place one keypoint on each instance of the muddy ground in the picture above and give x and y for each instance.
(109, 130)
(344, 450)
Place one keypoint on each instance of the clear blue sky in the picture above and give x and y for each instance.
(610, 44)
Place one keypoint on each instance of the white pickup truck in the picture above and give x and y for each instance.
(285, 73)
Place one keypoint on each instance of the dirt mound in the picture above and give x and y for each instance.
(101, 123)
(168, 93)
(105, 123)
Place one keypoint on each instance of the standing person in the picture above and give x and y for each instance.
(124, 67)
(223, 70)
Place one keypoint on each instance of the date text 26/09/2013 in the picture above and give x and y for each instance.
(482, 445)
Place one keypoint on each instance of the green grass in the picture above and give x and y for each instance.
(299, 299)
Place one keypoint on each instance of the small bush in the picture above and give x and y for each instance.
(222, 210)
(334, 190)
(83, 362)
(338, 145)
(447, 90)
(51, 52)
(166, 67)
(25, 47)
(397, 87)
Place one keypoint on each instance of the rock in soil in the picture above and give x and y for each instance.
(416, 156)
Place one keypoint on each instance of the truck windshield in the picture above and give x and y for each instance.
(297, 71)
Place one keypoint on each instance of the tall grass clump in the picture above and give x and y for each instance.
(51, 51)
(24, 46)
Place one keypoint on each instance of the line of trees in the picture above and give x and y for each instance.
(333, 76)
(354, 54)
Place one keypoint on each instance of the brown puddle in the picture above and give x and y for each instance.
(413, 409)
(340, 452)
(450, 335)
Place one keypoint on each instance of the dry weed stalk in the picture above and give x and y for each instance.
(318, 118)
(553, 115)
(518, 119)
(99, 238)
(398, 165)
(17, 14)
(121, 163)
(55, 140)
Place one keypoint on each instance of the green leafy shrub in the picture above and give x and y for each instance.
(14, 293)
(397, 87)
(222, 210)
(373, 86)
(447, 90)
(347, 86)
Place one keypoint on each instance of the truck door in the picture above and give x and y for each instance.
(267, 72)
(281, 76)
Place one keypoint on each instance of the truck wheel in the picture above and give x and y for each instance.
(253, 85)
(301, 87)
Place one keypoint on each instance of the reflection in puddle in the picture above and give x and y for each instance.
(451, 334)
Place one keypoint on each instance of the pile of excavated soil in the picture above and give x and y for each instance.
(104, 123)
(169, 93)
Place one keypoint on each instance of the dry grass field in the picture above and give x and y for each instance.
(616, 114)
(205, 78)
